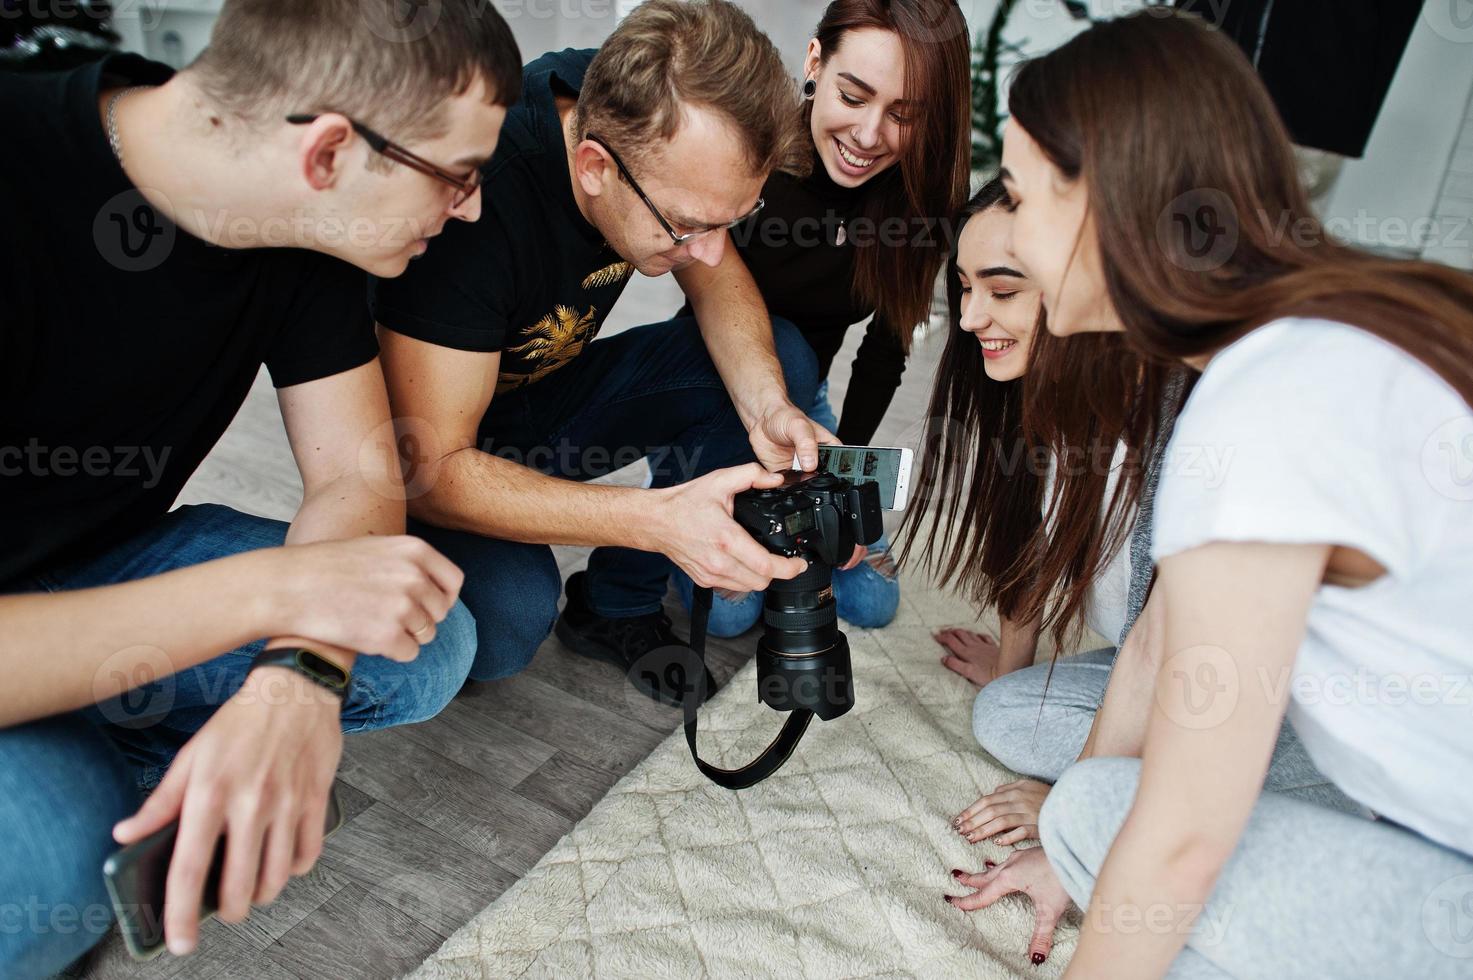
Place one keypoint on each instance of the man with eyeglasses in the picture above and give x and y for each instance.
(166, 235)
(635, 158)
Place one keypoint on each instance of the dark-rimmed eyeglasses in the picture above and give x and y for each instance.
(676, 237)
(465, 185)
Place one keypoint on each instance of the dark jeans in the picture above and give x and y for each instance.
(651, 391)
(65, 780)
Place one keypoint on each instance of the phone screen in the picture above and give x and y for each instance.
(865, 464)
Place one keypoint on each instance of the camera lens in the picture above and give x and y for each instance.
(799, 614)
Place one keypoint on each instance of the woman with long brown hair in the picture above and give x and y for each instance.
(1018, 532)
(985, 519)
(979, 518)
(861, 237)
(1324, 570)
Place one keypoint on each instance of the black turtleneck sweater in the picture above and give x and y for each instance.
(808, 279)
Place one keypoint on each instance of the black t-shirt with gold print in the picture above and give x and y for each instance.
(532, 278)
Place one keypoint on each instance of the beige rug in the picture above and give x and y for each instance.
(835, 867)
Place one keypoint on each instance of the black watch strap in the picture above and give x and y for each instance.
(311, 665)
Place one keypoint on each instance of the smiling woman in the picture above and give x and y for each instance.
(861, 236)
(889, 89)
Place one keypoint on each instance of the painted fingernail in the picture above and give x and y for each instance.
(989, 864)
(1038, 959)
(946, 899)
(955, 873)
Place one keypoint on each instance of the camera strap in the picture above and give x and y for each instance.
(774, 756)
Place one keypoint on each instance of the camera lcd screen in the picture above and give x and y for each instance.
(864, 465)
(799, 522)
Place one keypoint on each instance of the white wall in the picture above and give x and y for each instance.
(1396, 184)
(146, 27)
(1452, 215)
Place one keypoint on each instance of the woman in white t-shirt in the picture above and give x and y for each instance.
(1313, 533)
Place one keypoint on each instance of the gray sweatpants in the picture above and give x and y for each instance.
(1308, 892)
(1040, 736)
(1315, 887)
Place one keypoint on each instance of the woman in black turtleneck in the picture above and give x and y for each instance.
(887, 102)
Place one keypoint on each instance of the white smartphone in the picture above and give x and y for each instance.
(888, 467)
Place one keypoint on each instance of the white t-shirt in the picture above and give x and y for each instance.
(1109, 593)
(1311, 431)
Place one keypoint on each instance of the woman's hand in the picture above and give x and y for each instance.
(1012, 807)
(1026, 871)
(974, 656)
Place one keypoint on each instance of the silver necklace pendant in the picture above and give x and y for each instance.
(112, 119)
(842, 236)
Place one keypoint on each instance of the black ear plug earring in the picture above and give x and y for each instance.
(810, 89)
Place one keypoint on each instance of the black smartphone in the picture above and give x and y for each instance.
(136, 876)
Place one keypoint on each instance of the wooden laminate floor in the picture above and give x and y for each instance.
(442, 817)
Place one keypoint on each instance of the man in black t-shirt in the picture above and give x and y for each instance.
(637, 157)
(164, 236)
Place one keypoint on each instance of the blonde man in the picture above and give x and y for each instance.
(635, 158)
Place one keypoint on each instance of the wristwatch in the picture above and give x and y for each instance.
(311, 665)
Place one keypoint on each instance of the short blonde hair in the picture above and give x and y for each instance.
(672, 53)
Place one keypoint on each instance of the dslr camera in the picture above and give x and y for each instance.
(803, 656)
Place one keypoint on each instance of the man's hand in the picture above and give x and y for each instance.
(259, 772)
(1011, 811)
(784, 432)
(372, 595)
(698, 534)
(1026, 871)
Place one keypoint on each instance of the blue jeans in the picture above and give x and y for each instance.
(65, 780)
(651, 392)
(862, 596)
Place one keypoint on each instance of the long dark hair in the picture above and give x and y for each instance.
(975, 477)
(984, 454)
(897, 274)
(1175, 136)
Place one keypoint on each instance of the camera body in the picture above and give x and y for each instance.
(803, 657)
(820, 519)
